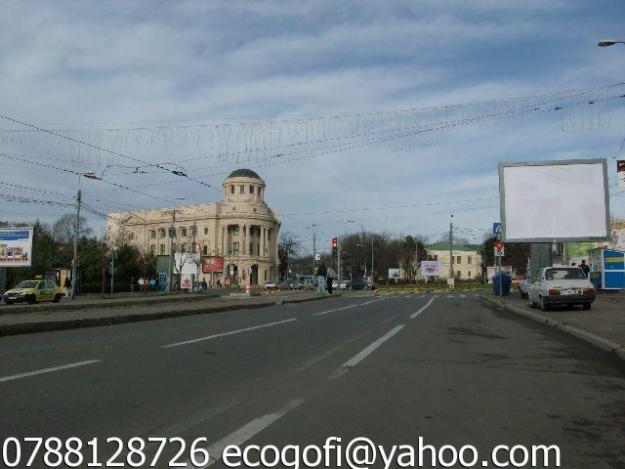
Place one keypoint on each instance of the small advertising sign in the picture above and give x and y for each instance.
(620, 172)
(186, 281)
(430, 268)
(212, 264)
(16, 247)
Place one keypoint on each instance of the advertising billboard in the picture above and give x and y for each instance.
(16, 247)
(554, 201)
(430, 268)
(212, 264)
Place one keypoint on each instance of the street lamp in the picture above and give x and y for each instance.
(609, 42)
(172, 236)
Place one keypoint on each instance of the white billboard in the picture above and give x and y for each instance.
(552, 201)
(16, 247)
(430, 268)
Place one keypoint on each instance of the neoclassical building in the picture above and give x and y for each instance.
(241, 230)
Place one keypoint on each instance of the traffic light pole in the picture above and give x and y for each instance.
(338, 259)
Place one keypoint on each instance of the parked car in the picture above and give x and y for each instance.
(33, 291)
(359, 283)
(309, 284)
(345, 284)
(296, 284)
(561, 286)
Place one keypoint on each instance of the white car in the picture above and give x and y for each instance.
(523, 287)
(561, 286)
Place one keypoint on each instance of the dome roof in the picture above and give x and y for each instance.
(247, 173)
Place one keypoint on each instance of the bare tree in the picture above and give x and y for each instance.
(63, 229)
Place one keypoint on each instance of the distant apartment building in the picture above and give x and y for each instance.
(238, 234)
(467, 260)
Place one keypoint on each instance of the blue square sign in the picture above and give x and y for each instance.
(496, 228)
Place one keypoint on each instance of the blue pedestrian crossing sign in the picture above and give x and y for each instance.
(496, 228)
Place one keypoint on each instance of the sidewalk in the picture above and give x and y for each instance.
(603, 325)
(106, 312)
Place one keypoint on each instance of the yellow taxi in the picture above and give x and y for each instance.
(32, 291)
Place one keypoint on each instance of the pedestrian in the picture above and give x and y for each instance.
(204, 284)
(321, 278)
(140, 284)
(152, 284)
(330, 276)
(585, 268)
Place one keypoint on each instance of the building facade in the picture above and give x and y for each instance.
(467, 261)
(240, 232)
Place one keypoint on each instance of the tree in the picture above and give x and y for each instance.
(64, 228)
(288, 247)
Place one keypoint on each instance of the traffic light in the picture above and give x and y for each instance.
(334, 246)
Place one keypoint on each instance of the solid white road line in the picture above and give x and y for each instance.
(224, 334)
(322, 313)
(246, 432)
(414, 315)
(47, 370)
(364, 353)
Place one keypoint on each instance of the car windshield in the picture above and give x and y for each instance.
(564, 274)
(27, 284)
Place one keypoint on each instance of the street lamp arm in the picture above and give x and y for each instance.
(610, 42)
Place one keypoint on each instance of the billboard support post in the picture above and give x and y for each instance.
(76, 234)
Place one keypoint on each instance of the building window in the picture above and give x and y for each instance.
(162, 249)
(235, 247)
(251, 189)
(183, 248)
(131, 236)
(205, 231)
(161, 232)
(469, 274)
(265, 275)
(469, 261)
(458, 273)
(152, 234)
(241, 189)
(268, 235)
(152, 249)
(205, 250)
(183, 231)
(235, 230)
(458, 259)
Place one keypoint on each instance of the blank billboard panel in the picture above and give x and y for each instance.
(554, 200)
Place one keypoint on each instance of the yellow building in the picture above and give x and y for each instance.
(241, 230)
(467, 260)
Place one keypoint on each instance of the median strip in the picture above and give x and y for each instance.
(224, 334)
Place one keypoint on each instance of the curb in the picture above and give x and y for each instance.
(64, 306)
(604, 344)
(49, 326)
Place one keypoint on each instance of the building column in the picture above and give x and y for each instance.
(262, 241)
(246, 235)
(222, 241)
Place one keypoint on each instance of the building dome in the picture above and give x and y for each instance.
(243, 172)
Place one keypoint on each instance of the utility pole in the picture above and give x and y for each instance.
(76, 234)
(372, 279)
(113, 251)
(195, 260)
(314, 249)
(338, 259)
(451, 280)
(172, 244)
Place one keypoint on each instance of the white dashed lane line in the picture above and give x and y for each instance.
(27, 374)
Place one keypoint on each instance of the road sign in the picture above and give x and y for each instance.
(499, 249)
(496, 228)
(317, 257)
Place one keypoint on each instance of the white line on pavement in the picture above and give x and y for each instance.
(414, 315)
(246, 432)
(364, 353)
(223, 334)
(47, 370)
(348, 307)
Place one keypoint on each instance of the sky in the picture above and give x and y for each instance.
(300, 92)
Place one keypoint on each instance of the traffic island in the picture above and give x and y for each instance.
(603, 326)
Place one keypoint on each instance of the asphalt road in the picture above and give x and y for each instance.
(452, 370)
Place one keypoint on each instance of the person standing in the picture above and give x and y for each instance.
(321, 278)
(585, 268)
(330, 276)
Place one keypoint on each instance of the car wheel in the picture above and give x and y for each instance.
(9, 302)
(586, 306)
(57, 298)
(543, 305)
(32, 299)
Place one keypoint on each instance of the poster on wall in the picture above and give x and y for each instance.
(186, 281)
(212, 264)
(430, 268)
(16, 247)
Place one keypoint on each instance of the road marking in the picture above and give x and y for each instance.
(313, 361)
(462, 295)
(364, 353)
(224, 334)
(47, 370)
(347, 307)
(246, 432)
(196, 419)
(414, 315)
